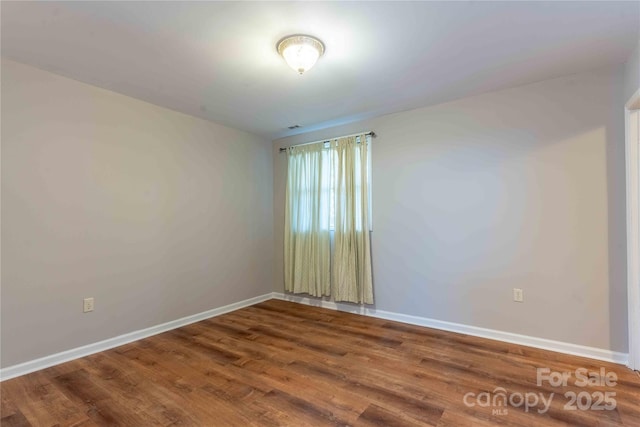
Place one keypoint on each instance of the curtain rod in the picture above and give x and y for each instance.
(370, 133)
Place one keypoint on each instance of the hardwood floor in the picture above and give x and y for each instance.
(280, 363)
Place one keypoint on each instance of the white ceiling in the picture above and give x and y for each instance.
(217, 60)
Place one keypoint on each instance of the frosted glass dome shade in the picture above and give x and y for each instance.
(300, 52)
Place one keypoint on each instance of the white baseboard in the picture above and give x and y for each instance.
(542, 343)
(75, 353)
(66, 356)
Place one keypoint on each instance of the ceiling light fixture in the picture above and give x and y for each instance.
(300, 51)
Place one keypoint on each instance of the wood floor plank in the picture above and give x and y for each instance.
(130, 387)
(7, 407)
(40, 402)
(16, 419)
(375, 415)
(279, 363)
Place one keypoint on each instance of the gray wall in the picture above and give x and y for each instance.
(632, 74)
(155, 214)
(518, 188)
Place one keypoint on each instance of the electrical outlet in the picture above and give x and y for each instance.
(518, 295)
(88, 305)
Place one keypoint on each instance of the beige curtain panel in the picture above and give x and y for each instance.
(328, 189)
(307, 254)
(352, 255)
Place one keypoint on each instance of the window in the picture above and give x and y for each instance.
(328, 171)
(328, 191)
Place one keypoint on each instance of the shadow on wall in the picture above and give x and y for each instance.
(617, 244)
